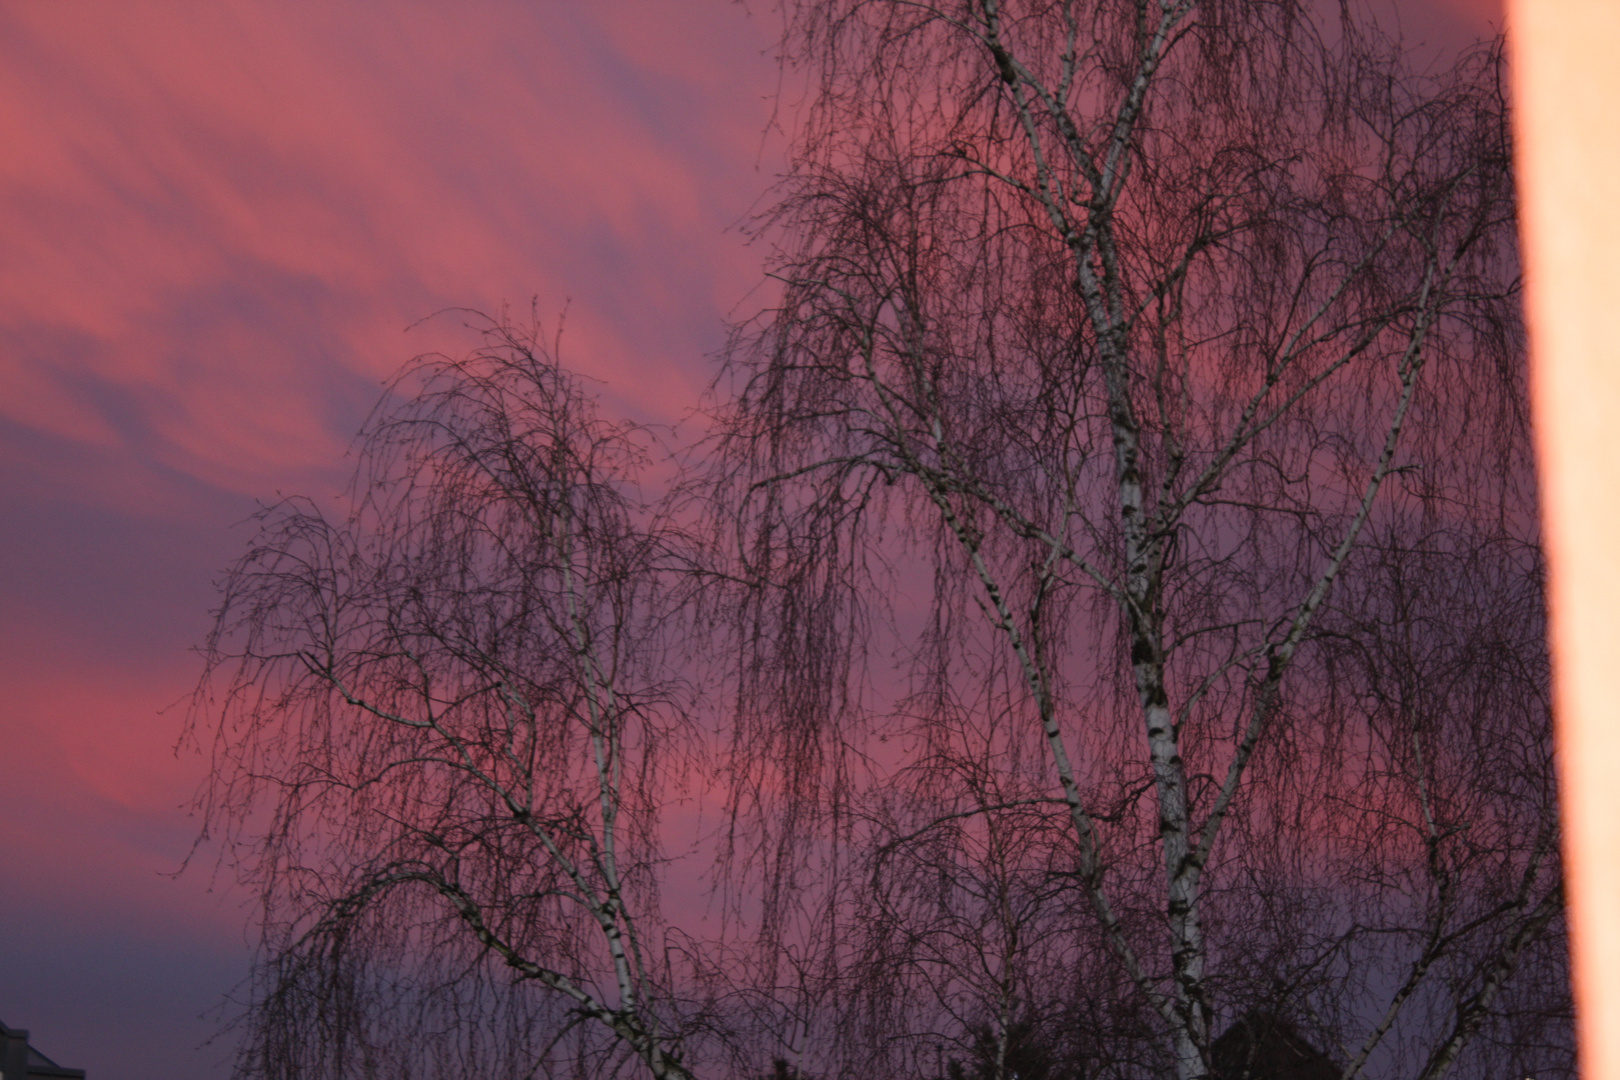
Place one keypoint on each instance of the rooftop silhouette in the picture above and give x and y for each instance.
(20, 1061)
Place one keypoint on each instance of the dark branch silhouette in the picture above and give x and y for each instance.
(1107, 606)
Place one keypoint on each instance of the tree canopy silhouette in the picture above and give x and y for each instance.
(1106, 607)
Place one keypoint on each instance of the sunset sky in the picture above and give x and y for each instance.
(217, 222)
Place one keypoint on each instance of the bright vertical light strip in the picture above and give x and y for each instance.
(1566, 63)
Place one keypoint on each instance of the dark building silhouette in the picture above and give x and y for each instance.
(19, 1061)
(1263, 1046)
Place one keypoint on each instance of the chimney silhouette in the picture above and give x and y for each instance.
(19, 1061)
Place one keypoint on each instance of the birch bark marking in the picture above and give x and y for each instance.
(1142, 549)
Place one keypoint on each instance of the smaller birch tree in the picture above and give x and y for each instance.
(443, 731)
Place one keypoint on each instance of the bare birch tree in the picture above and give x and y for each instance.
(444, 730)
(1147, 382)
(1135, 615)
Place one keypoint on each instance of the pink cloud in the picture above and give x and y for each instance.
(212, 208)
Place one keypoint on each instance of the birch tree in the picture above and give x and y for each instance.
(443, 733)
(1146, 381)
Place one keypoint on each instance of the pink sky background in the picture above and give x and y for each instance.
(216, 222)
